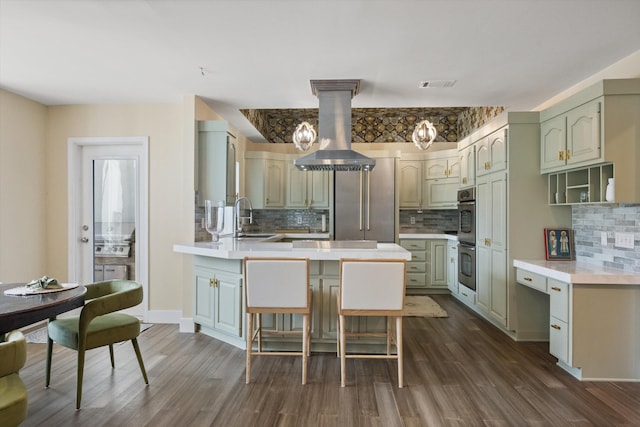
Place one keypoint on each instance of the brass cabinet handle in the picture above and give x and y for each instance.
(464, 180)
(560, 155)
(412, 280)
(528, 279)
(413, 267)
(213, 282)
(568, 156)
(555, 288)
(463, 294)
(555, 327)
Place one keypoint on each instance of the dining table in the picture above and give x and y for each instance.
(18, 311)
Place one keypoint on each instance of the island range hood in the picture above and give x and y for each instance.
(334, 129)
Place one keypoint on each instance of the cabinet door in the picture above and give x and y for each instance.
(437, 267)
(212, 162)
(497, 143)
(296, 187)
(498, 211)
(441, 193)
(483, 278)
(274, 183)
(452, 263)
(436, 168)
(228, 305)
(454, 167)
(559, 340)
(318, 189)
(203, 304)
(558, 299)
(553, 141)
(483, 157)
(410, 184)
(467, 166)
(498, 307)
(583, 133)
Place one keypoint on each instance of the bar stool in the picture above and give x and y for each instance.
(372, 287)
(277, 285)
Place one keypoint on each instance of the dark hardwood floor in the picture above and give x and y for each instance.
(459, 371)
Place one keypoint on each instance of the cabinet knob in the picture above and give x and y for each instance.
(556, 327)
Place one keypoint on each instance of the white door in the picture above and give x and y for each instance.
(108, 212)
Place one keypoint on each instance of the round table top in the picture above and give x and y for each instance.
(17, 311)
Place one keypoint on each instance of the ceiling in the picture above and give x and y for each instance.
(261, 54)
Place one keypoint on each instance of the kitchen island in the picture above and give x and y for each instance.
(218, 296)
(594, 317)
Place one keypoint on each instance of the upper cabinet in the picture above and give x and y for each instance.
(216, 162)
(272, 181)
(265, 180)
(306, 189)
(597, 126)
(467, 156)
(572, 138)
(491, 153)
(430, 183)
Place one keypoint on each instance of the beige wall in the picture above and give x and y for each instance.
(162, 123)
(22, 189)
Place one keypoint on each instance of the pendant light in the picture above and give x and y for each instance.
(304, 136)
(424, 134)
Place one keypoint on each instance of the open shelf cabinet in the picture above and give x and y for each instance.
(584, 185)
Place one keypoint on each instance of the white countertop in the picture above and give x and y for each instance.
(428, 236)
(578, 273)
(229, 248)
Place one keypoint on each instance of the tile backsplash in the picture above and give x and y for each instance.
(428, 220)
(589, 221)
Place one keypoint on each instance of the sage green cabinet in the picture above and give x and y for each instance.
(218, 299)
(410, 177)
(572, 138)
(307, 189)
(467, 158)
(452, 266)
(428, 268)
(216, 162)
(491, 153)
(265, 182)
(431, 183)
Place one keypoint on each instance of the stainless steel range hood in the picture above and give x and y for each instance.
(334, 129)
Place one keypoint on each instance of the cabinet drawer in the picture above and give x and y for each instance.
(559, 339)
(416, 267)
(413, 244)
(416, 280)
(467, 295)
(559, 300)
(532, 280)
(418, 256)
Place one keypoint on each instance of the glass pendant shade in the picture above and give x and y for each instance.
(304, 136)
(424, 134)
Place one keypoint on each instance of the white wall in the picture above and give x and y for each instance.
(23, 206)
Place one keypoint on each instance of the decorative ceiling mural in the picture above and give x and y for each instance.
(371, 125)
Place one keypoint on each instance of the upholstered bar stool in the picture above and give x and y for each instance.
(372, 287)
(276, 285)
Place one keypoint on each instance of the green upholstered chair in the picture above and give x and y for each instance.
(13, 393)
(99, 325)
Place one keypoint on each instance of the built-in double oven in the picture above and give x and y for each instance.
(467, 237)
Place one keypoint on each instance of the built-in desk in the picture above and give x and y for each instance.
(594, 317)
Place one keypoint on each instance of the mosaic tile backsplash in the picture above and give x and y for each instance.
(427, 221)
(590, 220)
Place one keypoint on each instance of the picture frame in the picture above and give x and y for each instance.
(559, 244)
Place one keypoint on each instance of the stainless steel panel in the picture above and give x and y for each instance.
(365, 203)
(335, 244)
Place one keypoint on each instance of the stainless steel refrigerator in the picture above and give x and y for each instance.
(364, 203)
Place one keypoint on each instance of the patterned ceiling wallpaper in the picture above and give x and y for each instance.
(376, 124)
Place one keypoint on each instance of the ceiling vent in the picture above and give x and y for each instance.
(436, 83)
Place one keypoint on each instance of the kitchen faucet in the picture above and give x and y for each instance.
(237, 227)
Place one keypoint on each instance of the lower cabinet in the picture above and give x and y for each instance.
(452, 266)
(218, 298)
(428, 269)
(219, 311)
(559, 320)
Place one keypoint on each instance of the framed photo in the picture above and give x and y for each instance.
(558, 244)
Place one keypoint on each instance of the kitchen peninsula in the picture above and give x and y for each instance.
(218, 296)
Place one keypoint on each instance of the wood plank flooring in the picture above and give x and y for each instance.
(459, 371)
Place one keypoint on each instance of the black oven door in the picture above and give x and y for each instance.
(467, 265)
(466, 222)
